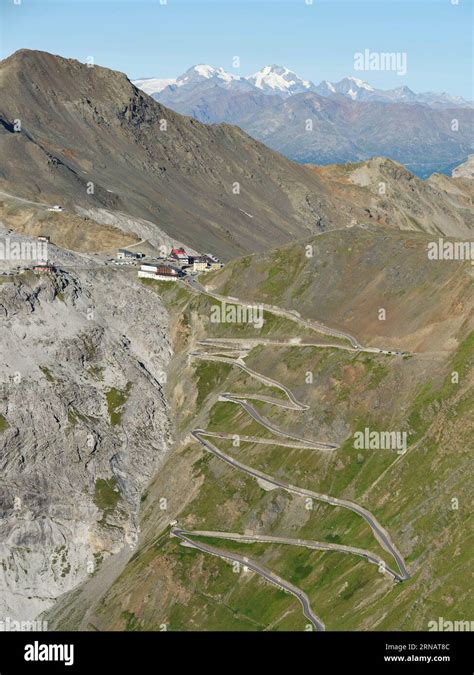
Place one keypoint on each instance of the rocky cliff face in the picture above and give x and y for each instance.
(389, 195)
(83, 423)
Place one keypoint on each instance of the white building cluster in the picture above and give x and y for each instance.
(172, 267)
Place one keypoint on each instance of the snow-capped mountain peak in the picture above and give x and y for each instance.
(279, 80)
(194, 75)
(203, 71)
(325, 88)
(329, 85)
(352, 87)
(360, 84)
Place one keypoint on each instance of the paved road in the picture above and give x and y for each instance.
(305, 543)
(293, 315)
(379, 531)
(250, 410)
(258, 439)
(246, 344)
(256, 567)
(217, 343)
(242, 400)
(294, 404)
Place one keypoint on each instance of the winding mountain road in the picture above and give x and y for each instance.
(260, 439)
(254, 414)
(242, 400)
(239, 348)
(379, 531)
(293, 404)
(305, 543)
(256, 567)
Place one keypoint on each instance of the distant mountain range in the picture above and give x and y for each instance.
(280, 81)
(326, 123)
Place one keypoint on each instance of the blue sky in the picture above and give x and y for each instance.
(318, 41)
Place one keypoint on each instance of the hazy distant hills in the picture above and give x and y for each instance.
(331, 122)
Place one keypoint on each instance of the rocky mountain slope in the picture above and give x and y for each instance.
(385, 193)
(65, 229)
(90, 138)
(83, 422)
(465, 170)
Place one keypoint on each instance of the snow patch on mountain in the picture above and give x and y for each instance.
(325, 88)
(352, 87)
(153, 85)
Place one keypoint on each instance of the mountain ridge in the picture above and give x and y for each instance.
(90, 139)
(142, 158)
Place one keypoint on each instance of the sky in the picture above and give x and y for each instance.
(318, 39)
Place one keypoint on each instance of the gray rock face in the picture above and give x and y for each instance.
(83, 423)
